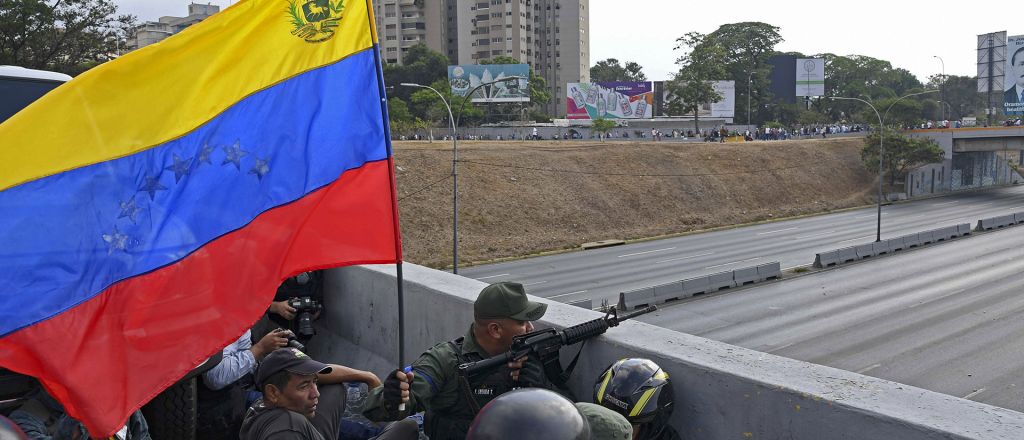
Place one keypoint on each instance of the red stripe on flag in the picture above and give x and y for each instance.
(106, 357)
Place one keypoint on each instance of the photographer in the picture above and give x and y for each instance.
(297, 303)
(228, 389)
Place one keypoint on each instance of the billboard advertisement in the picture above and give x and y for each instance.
(464, 79)
(810, 77)
(1013, 94)
(723, 108)
(611, 100)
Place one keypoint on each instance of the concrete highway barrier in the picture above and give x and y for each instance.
(1018, 217)
(584, 303)
(964, 229)
(697, 285)
(840, 256)
(880, 247)
(720, 281)
(848, 254)
(655, 295)
(826, 259)
(999, 222)
(925, 237)
(745, 276)
(630, 299)
(769, 270)
(865, 251)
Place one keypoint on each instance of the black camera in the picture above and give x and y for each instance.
(305, 308)
(293, 342)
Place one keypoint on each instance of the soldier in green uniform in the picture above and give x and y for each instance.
(431, 383)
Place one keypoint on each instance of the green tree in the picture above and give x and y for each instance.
(691, 87)
(398, 111)
(901, 153)
(611, 70)
(602, 126)
(747, 46)
(961, 94)
(866, 78)
(68, 36)
(426, 105)
(420, 65)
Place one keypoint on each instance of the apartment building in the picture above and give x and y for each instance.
(402, 24)
(552, 36)
(150, 32)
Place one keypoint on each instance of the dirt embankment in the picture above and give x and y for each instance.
(523, 198)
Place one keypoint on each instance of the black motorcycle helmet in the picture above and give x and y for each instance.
(529, 413)
(639, 390)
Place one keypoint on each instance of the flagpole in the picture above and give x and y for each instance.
(394, 191)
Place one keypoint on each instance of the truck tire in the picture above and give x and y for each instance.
(171, 415)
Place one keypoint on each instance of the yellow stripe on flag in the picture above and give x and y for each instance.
(164, 91)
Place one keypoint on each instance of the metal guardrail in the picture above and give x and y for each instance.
(655, 295)
(854, 253)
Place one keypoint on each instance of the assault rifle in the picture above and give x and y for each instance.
(545, 344)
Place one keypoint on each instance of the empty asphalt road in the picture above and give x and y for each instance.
(603, 273)
(947, 317)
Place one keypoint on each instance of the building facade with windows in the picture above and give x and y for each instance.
(552, 36)
(151, 32)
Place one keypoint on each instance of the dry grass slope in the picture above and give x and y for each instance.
(516, 205)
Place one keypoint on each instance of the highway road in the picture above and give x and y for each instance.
(602, 273)
(947, 317)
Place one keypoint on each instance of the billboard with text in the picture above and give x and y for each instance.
(464, 79)
(810, 77)
(611, 100)
(1013, 83)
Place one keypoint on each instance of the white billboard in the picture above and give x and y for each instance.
(1013, 94)
(810, 77)
(725, 107)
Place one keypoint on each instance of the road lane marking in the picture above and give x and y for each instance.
(530, 284)
(936, 299)
(950, 221)
(684, 258)
(734, 262)
(567, 294)
(865, 370)
(815, 235)
(711, 329)
(975, 206)
(772, 232)
(911, 218)
(975, 393)
(855, 239)
(779, 348)
(492, 276)
(940, 204)
(869, 216)
(647, 252)
(794, 267)
(1016, 207)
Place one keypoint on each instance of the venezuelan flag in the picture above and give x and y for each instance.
(150, 207)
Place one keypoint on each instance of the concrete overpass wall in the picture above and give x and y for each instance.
(723, 391)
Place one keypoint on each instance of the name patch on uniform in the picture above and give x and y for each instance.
(485, 392)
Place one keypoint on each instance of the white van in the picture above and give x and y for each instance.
(20, 87)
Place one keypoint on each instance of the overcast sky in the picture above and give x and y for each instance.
(907, 33)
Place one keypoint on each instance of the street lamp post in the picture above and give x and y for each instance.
(748, 99)
(455, 162)
(943, 86)
(881, 139)
(455, 175)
